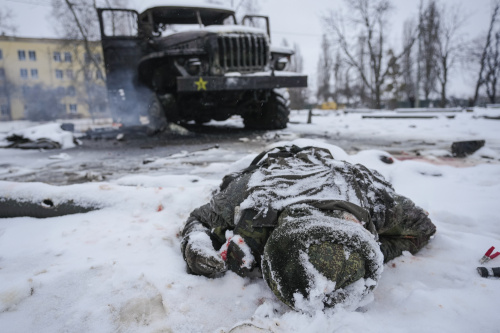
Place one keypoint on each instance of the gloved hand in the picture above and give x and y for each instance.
(201, 257)
(239, 257)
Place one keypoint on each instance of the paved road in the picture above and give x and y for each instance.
(104, 157)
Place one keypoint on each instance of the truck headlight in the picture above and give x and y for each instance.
(193, 66)
(280, 63)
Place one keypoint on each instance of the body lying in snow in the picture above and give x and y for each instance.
(317, 229)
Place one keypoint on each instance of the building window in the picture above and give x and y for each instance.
(1, 54)
(26, 90)
(2, 73)
(32, 55)
(4, 109)
(67, 57)
(21, 54)
(69, 74)
(73, 108)
(59, 74)
(34, 73)
(24, 73)
(71, 91)
(57, 56)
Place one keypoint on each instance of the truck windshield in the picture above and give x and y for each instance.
(168, 29)
(168, 20)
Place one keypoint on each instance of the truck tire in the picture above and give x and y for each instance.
(156, 115)
(272, 115)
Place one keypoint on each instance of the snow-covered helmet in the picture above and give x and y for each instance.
(320, 261)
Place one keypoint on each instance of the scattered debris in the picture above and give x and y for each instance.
(94, 176)
(216, 146)
(21, 143)
(70, 127)
(464, 148)
(488, 272)
(149, 160)
(248, 328)
(61, 156)
(177, 129)
(123, 132)
(489, 255)
(431, 174)
(47, 136)
(386, 159)
(112, 133)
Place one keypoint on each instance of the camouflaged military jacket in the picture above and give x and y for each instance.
(250, 203)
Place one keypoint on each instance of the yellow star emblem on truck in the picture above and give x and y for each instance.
(201, 84)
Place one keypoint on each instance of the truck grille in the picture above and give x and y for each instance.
(243, 53)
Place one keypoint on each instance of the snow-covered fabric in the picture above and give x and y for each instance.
(312, 175)
(255, 202)
(307, 278)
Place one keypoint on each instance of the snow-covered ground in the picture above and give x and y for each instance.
(120, 269)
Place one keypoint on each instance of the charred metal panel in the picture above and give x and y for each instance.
(215, 83)
(151, 57)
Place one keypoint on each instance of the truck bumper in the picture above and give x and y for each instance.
(241, 82)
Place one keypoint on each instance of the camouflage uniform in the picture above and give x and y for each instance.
(289, 183)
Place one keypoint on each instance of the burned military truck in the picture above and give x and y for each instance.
(180, 64)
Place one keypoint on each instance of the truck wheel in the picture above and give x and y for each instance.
(156, 115)
(272, 115)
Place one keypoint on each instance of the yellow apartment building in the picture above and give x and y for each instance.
(52, 78)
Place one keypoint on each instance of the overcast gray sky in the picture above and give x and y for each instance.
(299, 21)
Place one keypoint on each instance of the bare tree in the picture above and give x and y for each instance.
(450, 46)
(337, 76)
(78, 21)
(489, 62)
(347, 91)
(429, 43)
(246, 7)
(395, 86)
(371, 16)
(79, 26)
(6, 24)
(408, 62)
(325, 66)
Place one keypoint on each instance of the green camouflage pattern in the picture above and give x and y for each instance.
(394, 220)
(326, 246)
(329, 259)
